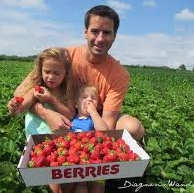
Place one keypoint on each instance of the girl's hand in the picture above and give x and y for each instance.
(14, 105)
(44, 96)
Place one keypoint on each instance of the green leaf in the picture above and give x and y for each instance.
(153, 145)
(170, 174)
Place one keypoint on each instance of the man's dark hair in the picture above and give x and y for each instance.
(103, 11)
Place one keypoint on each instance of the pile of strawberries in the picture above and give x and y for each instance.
(80, 148)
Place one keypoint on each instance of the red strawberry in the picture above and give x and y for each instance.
(19, 99)
(100, 136)
(95, 154)
(61, 159)
(110, 157)
(40, 161)
(95, 161)
(54, 164)
(39, 89)
(123, 157)
(52, 157)
(74, 159)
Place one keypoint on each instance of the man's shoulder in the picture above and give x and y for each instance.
(116, 66)
(74, 49)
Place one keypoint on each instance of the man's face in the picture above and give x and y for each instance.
(100, 35)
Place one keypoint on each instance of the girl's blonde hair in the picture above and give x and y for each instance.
(81, 88)
(60, 54)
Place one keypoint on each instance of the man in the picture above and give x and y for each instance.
(92, 64)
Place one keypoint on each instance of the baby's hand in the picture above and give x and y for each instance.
(90, 107)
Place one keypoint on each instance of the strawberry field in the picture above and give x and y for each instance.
(162, 99)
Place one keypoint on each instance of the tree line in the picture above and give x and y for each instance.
(18, 58)
(32, 58)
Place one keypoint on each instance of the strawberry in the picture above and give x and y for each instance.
(73, 141)
(95, 154)
(110, 157)
(61, 159)
(47, 149)
(84, 156)
(84, 140)
(123, 156)
(73, 158)
(95, 161)
(39, 89)
(54, 164)
(77, 145)
(19, 99)
(80, 135)
(107, 144)
(38, 161)
(62, 151)
(89, 134)
(133, 156)
(72, 151)
(70, 136)
(52, 157)
(100, 136)
(104, 150)
(88, 147)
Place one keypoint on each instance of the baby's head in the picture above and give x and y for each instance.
(84, 94)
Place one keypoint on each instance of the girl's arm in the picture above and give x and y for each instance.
(47, 97)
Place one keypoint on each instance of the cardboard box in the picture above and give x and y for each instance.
(78, 173)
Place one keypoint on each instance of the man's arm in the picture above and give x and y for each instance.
(110, 117)
(22, 88)
(67, 110)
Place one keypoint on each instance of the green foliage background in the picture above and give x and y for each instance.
(163, 99)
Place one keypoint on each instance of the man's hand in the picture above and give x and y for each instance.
(57, 121)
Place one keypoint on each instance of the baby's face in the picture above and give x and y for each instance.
(88, 95)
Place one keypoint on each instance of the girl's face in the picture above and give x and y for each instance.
(53, 72)
(89, 94)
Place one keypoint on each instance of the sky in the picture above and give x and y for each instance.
(151, 32)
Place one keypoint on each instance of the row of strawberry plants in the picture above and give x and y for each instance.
(11, 130)
(161, 99)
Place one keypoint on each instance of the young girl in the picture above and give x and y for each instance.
(52, 75)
